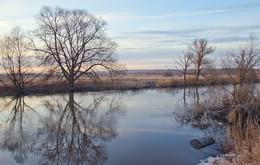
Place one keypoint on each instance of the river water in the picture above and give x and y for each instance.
(111, 128)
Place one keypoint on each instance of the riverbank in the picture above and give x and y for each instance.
(239, 113)
(133, 81)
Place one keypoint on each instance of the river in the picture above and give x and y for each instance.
(111, 128)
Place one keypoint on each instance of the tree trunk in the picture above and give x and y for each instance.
(184, 78)
(197, 76)
(71, 84)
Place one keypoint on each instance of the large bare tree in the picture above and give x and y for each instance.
(17, 61)
(199, 49)
(74, 43)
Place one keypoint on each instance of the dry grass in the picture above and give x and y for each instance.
(246, 144)
(121, 82)
(243, 136)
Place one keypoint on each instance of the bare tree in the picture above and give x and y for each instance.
(74, 43)
(199, 49)
(17, 61)
(183, 64)
(240, 65)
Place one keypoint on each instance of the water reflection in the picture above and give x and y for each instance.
(200, 113)
(72, 132)
(16, 139)
(201, 110)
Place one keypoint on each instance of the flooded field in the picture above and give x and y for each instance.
(131, 127)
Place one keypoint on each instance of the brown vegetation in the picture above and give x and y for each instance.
(243, 136)
(247, 145)
(120, 82)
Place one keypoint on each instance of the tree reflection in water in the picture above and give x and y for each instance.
(16, 138)
(201, 110)
(76, 134)
(72, 132)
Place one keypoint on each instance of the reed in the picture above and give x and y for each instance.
(246, 144)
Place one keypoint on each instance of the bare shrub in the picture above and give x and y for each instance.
(167, 73)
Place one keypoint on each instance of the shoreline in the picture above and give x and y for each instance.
(123, 83)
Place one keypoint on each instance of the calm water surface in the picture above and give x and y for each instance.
(110, 128)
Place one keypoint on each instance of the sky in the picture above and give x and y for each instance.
(151, 33)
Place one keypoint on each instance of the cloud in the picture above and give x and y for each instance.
(151, 44)
(26, 24)
(10, 8)
(203, 11)
(120, 16)
(5, 27)
(4, 24)
(223, 33)
(172, 32)
(199, 29)
(229, 39)
(112, 15)
(25, 21)
(241, 6)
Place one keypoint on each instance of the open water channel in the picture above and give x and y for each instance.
(111, 128)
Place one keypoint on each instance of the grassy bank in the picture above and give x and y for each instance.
(243, 134)
(123, 82)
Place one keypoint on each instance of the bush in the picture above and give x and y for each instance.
(167, 73)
